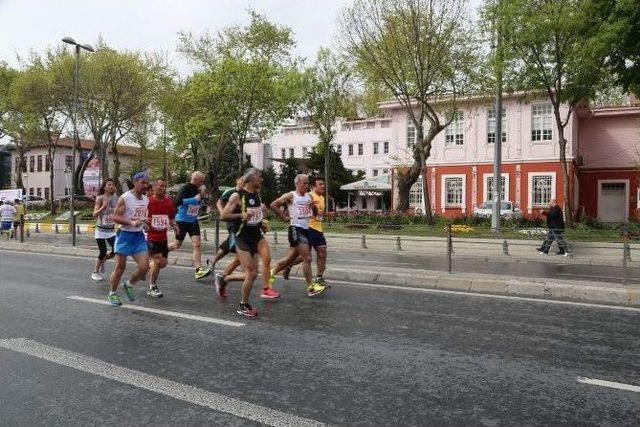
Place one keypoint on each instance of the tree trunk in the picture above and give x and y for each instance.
(425, 190)
(80, 174)
(568, 205)
(116, 167)
(20, 162)
(51, 183)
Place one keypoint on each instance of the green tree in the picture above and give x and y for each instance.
(338, 174)
(269, 185)
(424, 52)
(286, 176)
(554, 46)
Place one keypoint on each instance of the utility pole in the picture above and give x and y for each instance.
(497, 148)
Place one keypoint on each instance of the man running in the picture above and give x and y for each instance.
(105, 227)
(229, 244)
(300, 207)
(246, 210)
(131, 214)
(315, 233)
(160, 216)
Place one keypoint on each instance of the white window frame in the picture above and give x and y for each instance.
(385, 124)
(627, 188)
(538, 123)
(283, 153)
(339, 149)
(412, 134)
(374, 172)
(376, 148)
(385, 147)
(350, 150)
(454, 133)
(360, 149)
(486, 197)
(292, 153)
(443, 192)
(305, 150)
(415, 192)
(530, 191)
(491, 121)
(371, 125)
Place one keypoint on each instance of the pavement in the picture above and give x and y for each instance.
(536, 278)
(358, 356)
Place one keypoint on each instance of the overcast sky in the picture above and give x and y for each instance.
(154, 24)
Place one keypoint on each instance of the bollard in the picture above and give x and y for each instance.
(505, 247)
(77, 229)
(217, 236)
(398, 243)
(204, 235)
(449, 248)
(37, 227)
(57, 231)
(275, 237)
(22, 228)
(364, 242)
(625, 249)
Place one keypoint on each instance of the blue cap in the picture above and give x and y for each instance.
(140, 175)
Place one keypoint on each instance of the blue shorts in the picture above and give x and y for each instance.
(129, 243)
(6, 225)
(316, 238)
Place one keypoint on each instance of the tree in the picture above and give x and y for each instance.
(287, 175)
(326, 92)
(553, 45)
(269, 186)
(254, 75)
(338, 174)
(424, 53)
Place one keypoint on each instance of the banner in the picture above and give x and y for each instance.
(11, 195)
(91, 178)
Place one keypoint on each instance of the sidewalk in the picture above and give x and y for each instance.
(553, 289)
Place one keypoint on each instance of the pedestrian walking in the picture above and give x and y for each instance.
(7, 216)
(105, 232)
(555, 229)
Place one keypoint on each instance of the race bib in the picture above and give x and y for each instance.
(193, 210)
(304, 211)
(107, 220)
(140, 213)
(159, 222)
(255, 216)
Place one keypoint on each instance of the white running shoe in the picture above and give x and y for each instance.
(96, 277)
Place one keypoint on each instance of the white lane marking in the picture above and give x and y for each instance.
(163, 312)
(629, 279)
(426, 290)
(475, 294)
(364, 261)
(175, 390)
(609, 384)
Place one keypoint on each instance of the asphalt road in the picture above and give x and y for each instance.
(370, 259)
(358, 356)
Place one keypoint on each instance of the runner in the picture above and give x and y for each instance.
(300, 206)
(188, 201)
(229, 244)
(160, 215)
(105, 227)
(246, 210)
(7, 215)
(315, 234)
(131, 213)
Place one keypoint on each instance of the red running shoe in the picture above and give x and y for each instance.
(247, 310)
(269, 293)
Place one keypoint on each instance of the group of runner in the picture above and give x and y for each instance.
(144, 220)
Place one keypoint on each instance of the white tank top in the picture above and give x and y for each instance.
(134, 208)
(300, 210)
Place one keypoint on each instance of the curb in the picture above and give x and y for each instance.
(552, 289)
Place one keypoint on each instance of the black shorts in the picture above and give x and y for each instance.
(158, 248)
(229, 245)
(297, 236)
(192, 228)
(316, 239)
(251, 247)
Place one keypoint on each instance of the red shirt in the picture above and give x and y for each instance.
(159, 212)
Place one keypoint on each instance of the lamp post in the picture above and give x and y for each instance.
(76, 140)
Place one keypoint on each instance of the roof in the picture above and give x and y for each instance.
(615, 111)
(378, 183)
(87, 144)
(394, 103)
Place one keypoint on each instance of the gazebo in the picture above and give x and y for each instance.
(374, 188)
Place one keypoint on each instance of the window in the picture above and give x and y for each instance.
(491, 126)
(292, 153)
(411, 133)
(541, 122)
(32, 163)
(371, 125)
(351, 149)
(379, 203)
(364, 203)
(385, 124)
(283, 153)
(339, 148)
(66, 191)
(46, 193)
(346, 128)
(357, 126)
(304, 151)
(385, 171)
(415, 194)
(454, 133)
(541, 190)
(39, 163)
(385, 147)
(488, 193)
(375, 148)
(31, 191)
(360, 149)
(47, 163)
(453, 188)
(68, 160)
(375, 172)
(39, 192)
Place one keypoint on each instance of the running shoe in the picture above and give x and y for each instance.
(114, 299)
(286, 272)
(154, 292)
(272, 278)
(201, 273)
(269, 293)
(221, 285)
(96, 277)
(315, 289)
(128, 291)
(247, 310)
(321, 281)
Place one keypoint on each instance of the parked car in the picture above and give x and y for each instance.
(34, 202)
(507, 210)
(78, 200)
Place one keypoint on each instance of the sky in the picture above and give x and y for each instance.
(153, 25)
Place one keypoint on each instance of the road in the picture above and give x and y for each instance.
(359, 356)
(370, 259)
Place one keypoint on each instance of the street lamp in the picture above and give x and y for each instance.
(76, 139)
